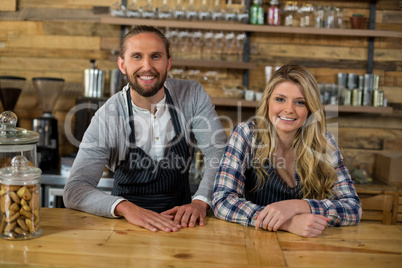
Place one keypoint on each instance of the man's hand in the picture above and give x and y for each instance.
(187, 215)
(307, 225)
(145, 218)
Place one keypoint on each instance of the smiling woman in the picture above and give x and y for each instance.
(282, 170)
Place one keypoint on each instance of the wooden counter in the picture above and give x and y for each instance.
(76, 239)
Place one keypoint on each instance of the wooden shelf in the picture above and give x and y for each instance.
(215, 64)
(208, 63)
(228, 102)
(249, 28)
(358, 109)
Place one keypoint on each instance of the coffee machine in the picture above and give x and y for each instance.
(10, 90)
(48, 90)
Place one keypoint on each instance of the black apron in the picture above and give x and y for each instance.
(273, 190)
(155, 185)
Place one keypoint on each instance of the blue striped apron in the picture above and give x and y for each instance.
(273, 190)
(155, 185)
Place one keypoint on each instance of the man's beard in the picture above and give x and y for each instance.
(132, 81)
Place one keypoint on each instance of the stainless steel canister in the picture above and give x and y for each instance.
(94, 84)
(346, 96)
(352, 81)
(115, 81)
(378, 98)
(356, 97)
(367, 90)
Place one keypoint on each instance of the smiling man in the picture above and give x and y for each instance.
(146, 134)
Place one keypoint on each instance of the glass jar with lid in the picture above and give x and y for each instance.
(19, 200)
(16, 141)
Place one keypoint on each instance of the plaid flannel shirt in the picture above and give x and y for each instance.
(228, 202)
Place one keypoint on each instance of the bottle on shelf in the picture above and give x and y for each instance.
(273, 13)
(257, 13)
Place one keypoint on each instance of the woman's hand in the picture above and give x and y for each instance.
(307, 225)
(276, 214)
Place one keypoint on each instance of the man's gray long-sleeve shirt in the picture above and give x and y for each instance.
(106, 143)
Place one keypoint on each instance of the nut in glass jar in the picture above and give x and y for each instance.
(19, 200)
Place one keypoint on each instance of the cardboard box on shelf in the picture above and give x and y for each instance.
(388, 166)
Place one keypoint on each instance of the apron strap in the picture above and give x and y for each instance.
(172, 111)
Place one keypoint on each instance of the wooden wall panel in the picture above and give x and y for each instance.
(58, 38)
(8, 5)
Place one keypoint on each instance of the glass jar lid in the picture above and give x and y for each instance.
(10, 134)
(19, 170)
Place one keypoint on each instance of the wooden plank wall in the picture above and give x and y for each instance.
(58, 38)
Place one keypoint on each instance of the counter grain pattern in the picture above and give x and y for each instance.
(75, 239)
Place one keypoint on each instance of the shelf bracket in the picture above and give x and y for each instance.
(370, 56)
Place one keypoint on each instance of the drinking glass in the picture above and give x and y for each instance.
(329, 17)
(211, 77)
(164, 12)
(229, 53)
(243, 15)
(177, 73)
(194, 74)
(338, 18)
(133, 11)
(287, 14)
(229, 13)
(306, 15)
(118, 10)
(172, 36)
(204, 13)
(179, 12)
(196, 44)
(217, 13)
(240, 41)
(319, 17)
(183, 43)
(218, 45)
(148, 11)
(208, 44)
(191, 12)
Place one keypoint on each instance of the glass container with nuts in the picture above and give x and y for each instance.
(19, 200)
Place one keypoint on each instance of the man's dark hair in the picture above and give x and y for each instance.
(144, 29)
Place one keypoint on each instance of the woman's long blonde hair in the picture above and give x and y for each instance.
(313, 163)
